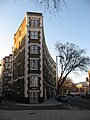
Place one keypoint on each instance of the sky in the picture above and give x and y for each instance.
(71, 25)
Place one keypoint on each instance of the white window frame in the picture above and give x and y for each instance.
(33, 64)
(7, 60)
(34, 22)
(33, 96)
(33, 80)
(34, 35)
(34, 49)
(6, 66)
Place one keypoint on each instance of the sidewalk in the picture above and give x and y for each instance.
(49, 102)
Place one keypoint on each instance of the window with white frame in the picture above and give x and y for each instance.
(7, 60)
(6, 66)
(34, 22)
(34, 49)
(34, 97)
(6, 73)
(34, 80)
(10, 74)
(33, 34)
(9, 66)
(33, 64)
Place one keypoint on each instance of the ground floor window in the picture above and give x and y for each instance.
(33, 97)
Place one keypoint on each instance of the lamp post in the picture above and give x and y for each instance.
(57, 70)
(0, 85)
(89, 81)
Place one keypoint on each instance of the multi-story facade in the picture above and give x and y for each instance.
(6, 76)
(34, 70)
(0, 81)
(82, 87)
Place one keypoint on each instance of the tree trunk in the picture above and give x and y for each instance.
(60, 82)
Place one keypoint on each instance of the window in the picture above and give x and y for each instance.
(34, 49)
(34, 35)
(34, 64)
(7, 60)
(34, 97)
(9, 74)
(34, 80)
(9, 67)
(34, 22)
(19, 33)
(6, 74)
(6, 66)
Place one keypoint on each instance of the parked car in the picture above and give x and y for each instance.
(72, 94)
(57, 97)
(88, 95)
(63, 98)
(85, 95)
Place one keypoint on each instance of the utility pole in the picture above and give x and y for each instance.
(89, 80)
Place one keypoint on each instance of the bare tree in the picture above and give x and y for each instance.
(52, 6)
(72, 58)
(68, 86)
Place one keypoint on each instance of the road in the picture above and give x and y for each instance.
(78, 102)
(74, 103)
(44, 115)
(76, 109)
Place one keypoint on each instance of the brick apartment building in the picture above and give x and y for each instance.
(34, 70)
(6, 76)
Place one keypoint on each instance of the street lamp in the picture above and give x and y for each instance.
(0, 86)
(88, 80)
(57, 70)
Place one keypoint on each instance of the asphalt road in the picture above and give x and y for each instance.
(44, 115)
(78, 102)
(74, 103)
(75, 109)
